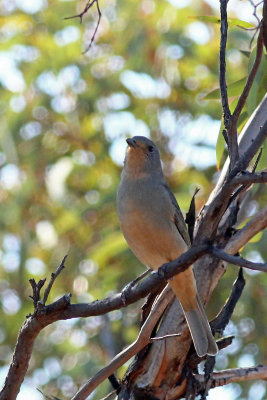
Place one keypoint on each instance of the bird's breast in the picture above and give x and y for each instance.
(147, 225)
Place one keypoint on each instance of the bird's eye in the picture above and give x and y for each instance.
(150, 149)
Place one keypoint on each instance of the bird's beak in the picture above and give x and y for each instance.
(132, 143)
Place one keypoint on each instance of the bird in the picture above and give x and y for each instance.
(154, 228)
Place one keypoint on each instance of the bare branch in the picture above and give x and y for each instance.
(54, 275)
(250, 80)
(264, 23)
(96, 28)
(212, 214)
(235, 375)
(36, 289)
(247, 178)
(257, 224)
(23, 349)
(230, 133)
(87, 7)
(170, 335)
(223, 86)
(237, 260)
(143, 339)
(219, 323)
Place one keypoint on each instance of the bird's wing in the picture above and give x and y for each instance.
(178, 216)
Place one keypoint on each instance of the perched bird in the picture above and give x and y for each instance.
(153, 225)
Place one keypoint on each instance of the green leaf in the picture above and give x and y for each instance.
(256, 238)
(220, 146)
(234, 89)
(231, 21)
(240, 22)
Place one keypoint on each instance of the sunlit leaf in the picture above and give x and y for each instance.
(220, 146)
(231, 21)
(234, 89)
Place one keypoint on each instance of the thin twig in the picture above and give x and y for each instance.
(250, 80)
(96, 28)
(230, 132)
(257, 160)
(190, 219)
(36, 289)
(171, 335)
(247, 179)
(237, 260)
(248, 155)
(219, 323)
(223, 86)
(54, 275)
(87, 7)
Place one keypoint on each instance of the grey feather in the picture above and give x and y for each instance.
(178, 216)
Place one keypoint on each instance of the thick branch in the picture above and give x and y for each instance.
(23, 350)
(235, 375)
(143, 339)
(257, 224)
(248, 178)
(62, 309)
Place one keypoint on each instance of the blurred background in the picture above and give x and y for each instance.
(64, 117)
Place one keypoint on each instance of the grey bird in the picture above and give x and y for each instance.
(154, 228)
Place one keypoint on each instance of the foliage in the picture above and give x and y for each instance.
(64, 117)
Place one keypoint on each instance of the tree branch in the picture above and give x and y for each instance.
(212, 214)
(223, 86)
(237, 260)
(241, 237)
(247, 178)
(54, 276)
(244, 161)
(143, 339)
(87, 7)
(250, 80)
(219, 323)
(227, 376)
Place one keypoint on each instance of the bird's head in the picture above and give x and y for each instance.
(142, 157)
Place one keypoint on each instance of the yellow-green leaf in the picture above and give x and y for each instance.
(231, 21)
(234, 89)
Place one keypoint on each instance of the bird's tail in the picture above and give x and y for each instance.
(200, 331)
(185, 289)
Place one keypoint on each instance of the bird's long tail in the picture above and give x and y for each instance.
(195, 315)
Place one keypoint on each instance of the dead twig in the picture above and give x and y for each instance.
(237, 260)
(54, 275)
(230, 134)
(250, 80)
(171, 335)
(87, 7)
(235, 375)
(218, 324)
